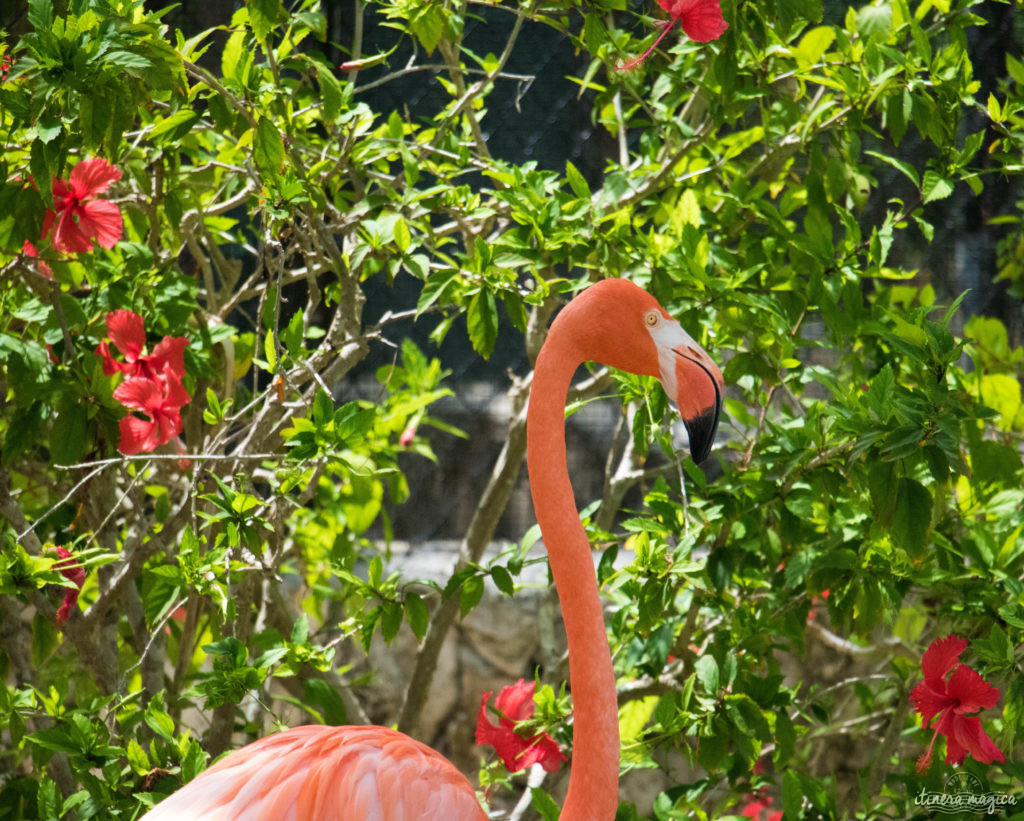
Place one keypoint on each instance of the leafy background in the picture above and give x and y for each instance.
(811, 195)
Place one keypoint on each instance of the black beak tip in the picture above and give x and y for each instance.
(701, 430)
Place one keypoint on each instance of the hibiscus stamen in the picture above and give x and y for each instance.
(925, 760)
(646, 54)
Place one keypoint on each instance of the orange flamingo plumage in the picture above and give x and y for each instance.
(378, 774)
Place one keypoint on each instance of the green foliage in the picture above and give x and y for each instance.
(768, 189)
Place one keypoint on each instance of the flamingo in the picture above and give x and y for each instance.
(367, 773)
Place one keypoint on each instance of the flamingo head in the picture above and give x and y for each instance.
(690, 378)
(618, 323)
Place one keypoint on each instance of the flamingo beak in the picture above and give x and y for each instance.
(699, 385)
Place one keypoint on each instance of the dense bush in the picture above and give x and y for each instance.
(168, 421)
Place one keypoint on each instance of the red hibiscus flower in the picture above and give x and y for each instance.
(161, 400)
(760, 809)
(5, 65)
(78, 218)
(701, 20)
(515, 703)
(127, 332)
(951, 699)
(73, 572)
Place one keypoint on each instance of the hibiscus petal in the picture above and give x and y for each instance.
(516, 700)
(541, 749)
(928, 702)
(175, 394)
(141, 394)
(69, 568)
(44, 231)
(503, 739)
(971, 690)
(701, 19)
(969, 735)
(101, 220)
(128, 333)
(169, 354)
(64, 611)
(60, 190)
(137, 436)
(68, 238)
(169, 421)
(110, 365)
(483, 724)
(93, 176)
(73, 572)
(941, 657)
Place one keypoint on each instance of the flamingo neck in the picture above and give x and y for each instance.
(593, 781)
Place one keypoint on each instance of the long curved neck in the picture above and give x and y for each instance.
(593, 782)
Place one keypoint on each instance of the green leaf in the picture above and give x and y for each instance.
(193, 758)
(707, 672)
(935, 187)
(882, 485)
(1015, 68)
(912, 516)
(232, 57)
(792, 794)
(264, 15)
(577, 181)
(322, 695)
(48, 800)
(330, 92)
(417, 614)
(40, 14)
(56, 739)
(68, 439)
(174, 127)
(503, 580)
(438, 287)
(270, 351)
(352, 423)
(471, 593)
(544, 804)
(23, 432)
(391, 620)
(129, 61)
(785, 737)
(403, 238)
(137, 758)
(293, 336)
(482, 321)
(902, 166)
(814, 44)
(323, 409)
(875, 22)
(300, 630)
(427, 23)
(268, 148)
(160, 723)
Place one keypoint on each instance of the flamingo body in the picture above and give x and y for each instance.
(327, 774)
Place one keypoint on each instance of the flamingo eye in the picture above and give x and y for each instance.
(652, 318)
